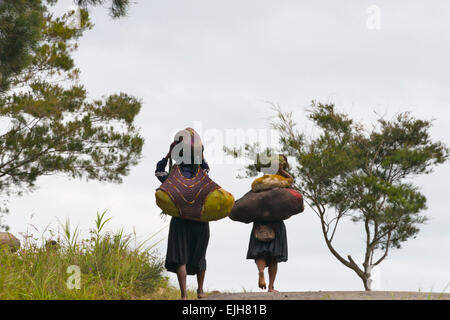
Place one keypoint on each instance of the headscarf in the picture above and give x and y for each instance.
(187, 139)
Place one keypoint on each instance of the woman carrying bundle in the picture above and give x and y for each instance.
(188, 239)
(268, 240)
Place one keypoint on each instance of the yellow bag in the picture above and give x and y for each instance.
(271, 181)
(218, 205)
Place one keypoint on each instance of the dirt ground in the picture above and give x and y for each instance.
(331, 295)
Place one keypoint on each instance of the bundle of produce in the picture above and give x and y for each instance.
(271, 181)
(198, 198)
(271, 198)
(267, 206)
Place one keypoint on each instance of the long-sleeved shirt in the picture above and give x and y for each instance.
(187, 170)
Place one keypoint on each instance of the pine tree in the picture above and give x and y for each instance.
(49, 124)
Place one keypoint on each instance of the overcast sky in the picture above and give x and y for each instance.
(213, 62)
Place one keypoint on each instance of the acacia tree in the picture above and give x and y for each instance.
(49, 124)
(348, 171)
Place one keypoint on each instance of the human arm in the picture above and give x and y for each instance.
(160, 171)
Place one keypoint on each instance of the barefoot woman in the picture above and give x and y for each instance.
(188, 239)
(269, 253)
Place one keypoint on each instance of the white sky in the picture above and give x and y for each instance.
(214, 61)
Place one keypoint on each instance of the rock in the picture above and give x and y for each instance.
(7, 239)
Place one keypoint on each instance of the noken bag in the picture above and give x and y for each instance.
(267, 206)
(198, 198)
(264, 233)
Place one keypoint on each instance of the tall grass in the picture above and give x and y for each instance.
(111, 267)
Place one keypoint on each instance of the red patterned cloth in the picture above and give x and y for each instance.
(188, 194)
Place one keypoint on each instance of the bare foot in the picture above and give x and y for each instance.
(261, 281)
(200, 294)
(272, 290)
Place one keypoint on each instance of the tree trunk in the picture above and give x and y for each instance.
(367, 284)
(367, 280)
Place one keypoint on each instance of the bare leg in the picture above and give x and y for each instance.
(273, 268)
(200, 280)
(261, 264)
(181, 275)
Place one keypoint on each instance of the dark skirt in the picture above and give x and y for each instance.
(187, 244)
(276, 249)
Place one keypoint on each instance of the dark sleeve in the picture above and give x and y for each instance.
(160, 171)
(205, 165)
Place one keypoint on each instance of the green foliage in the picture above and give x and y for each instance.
(261, 158)
(20, 22)
(49, 124)
(117, 8)
(21, 31)
(349, 171)
(111, 267)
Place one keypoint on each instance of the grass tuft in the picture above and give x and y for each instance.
(110, 267)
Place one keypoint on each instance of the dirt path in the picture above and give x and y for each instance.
(331, 295)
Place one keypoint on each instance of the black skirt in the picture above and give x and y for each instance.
(187, 244)
(276, 249)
